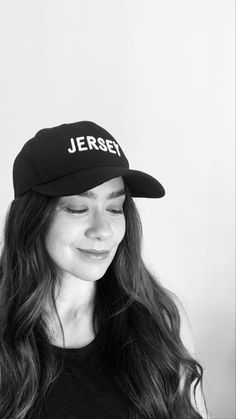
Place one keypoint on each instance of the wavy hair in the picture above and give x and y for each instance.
(135, 317)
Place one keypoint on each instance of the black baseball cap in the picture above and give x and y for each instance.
(71, 158)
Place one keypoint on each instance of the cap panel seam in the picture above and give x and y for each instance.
(80, 171)
(84, 170)
(35, 146)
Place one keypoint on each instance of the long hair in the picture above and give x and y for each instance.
(135, 317)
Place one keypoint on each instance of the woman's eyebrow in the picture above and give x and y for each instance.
(112, 195)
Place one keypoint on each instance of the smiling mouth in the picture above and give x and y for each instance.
(94, 255)
(97, 252)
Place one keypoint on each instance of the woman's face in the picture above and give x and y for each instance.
(92, 220)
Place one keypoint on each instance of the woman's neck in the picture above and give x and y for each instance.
(75, 303)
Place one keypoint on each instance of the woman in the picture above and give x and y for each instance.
(86, 330)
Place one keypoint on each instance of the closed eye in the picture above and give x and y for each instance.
(117, 211)
(75, 211)
(120, 211)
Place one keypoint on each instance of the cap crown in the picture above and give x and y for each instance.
(62, 150)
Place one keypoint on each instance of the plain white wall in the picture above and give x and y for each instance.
(159, 75)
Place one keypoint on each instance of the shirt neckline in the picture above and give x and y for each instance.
(80, 350)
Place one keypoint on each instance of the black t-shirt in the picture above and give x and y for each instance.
(83, 389)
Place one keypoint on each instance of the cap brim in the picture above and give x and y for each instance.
(140, 184)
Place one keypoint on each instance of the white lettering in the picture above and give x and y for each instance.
(109, 146)
(102, 143)
(92, 142)
(89, 143)
(73, 148)
(117, 148)
(80, 143)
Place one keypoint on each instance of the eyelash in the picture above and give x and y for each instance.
(82, 211)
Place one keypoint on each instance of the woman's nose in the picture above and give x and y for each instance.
(99, 227)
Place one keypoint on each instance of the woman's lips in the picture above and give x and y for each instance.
(94, 255)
